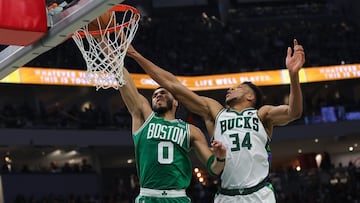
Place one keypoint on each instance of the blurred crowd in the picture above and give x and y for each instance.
(328, 184)
(74, 117)
(25, 115)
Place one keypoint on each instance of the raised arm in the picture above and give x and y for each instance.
(283, 114)
(203, 106)
(137, 104)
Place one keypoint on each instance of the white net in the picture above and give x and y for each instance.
(104, 51)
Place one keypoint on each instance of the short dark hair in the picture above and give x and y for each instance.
(258, 94)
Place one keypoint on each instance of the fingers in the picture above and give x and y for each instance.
(214, 144)
(218, 149)
(217, 145)
(302, 53)
(295, 42)
(299, 50)
(297, 47)
(289, 52)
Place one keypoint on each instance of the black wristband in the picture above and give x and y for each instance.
(220, 160)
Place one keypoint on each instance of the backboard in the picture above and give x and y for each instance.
(63, 24)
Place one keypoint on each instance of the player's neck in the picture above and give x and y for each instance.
(240, 106)
(169, 115)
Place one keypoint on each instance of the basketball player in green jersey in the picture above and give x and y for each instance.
(244, 126)
(162, 146)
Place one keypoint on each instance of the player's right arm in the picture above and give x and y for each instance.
(203, 106)
(137, 105)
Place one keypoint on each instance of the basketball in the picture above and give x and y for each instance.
(104, 20)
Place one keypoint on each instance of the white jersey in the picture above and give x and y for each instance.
(247, 144)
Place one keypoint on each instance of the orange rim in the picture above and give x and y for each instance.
(117, 8)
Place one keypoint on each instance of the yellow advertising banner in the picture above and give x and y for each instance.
(54, 76)
(341, 72)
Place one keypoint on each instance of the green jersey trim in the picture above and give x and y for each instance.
(144, 124)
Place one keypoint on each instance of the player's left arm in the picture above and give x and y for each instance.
(283, 114)
(209, 158)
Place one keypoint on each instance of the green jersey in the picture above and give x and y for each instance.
(161, 151)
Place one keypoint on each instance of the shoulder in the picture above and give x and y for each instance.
(265, 108)
(263, 112)
(197, 137)
(213, 106)
(195, 131)
(193, 128)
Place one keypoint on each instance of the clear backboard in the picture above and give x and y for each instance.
(62, 25)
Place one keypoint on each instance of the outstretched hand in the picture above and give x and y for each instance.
(296, 60)
(218, 149)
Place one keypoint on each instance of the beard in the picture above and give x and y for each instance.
(230, 101)
(163, 110)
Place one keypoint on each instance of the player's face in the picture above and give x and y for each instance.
(162, 101)
(236, 94)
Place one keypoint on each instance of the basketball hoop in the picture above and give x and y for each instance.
(105, 68)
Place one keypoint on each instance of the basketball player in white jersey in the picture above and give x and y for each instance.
(244, 126)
